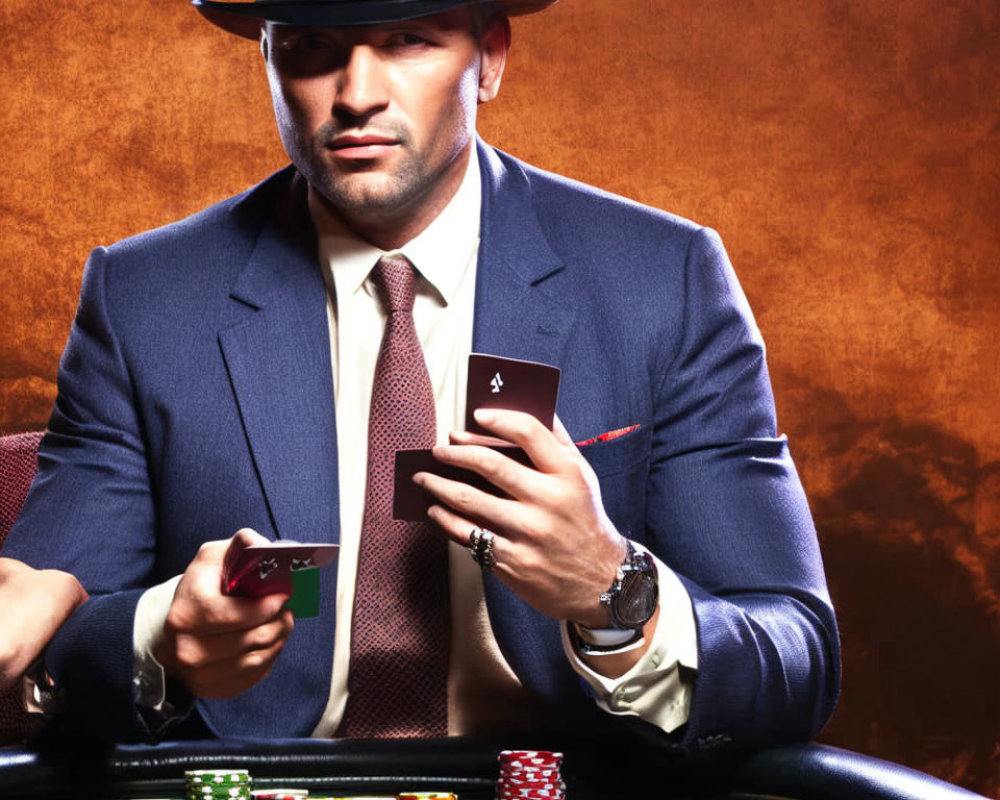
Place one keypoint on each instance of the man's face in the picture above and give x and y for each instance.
(378, 117)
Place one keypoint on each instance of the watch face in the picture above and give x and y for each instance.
(637, 601)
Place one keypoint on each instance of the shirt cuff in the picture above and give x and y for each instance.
(655, 689)
(148, 679)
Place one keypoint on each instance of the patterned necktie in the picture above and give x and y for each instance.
(397, 685)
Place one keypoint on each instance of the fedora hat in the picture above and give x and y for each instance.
(244, 18)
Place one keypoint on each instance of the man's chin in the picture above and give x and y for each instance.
(364, 194)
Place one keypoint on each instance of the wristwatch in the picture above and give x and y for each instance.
(630, 601)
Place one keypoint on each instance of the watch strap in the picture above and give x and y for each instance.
(591, 648)
(604, 637)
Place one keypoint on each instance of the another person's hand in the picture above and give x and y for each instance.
(34, 604)
(555, 546)
(218, 645)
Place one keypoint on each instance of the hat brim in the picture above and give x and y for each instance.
(245, 18)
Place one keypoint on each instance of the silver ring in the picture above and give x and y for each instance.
(481, 542)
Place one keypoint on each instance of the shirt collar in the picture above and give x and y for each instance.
(441, 253)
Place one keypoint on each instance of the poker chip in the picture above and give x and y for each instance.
(427, 796)
(536, 758)
(217, 784)
(530, 775)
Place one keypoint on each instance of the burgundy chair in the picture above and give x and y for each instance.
(18, 465)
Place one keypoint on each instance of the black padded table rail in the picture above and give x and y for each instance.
(467, 767)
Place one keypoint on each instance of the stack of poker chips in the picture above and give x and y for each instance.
(217, 784)
(530, 775)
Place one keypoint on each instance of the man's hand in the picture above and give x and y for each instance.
(35, 603)
(555, 546)
(217, 645)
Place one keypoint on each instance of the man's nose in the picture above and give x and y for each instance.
(361, 89)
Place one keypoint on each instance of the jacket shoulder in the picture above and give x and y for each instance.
(231, 223)
(568, 208)
(186, 271)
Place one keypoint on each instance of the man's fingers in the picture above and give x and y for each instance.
(199, 652)
(457, 527)
(199, 605)
(213, 553)
(226, 679)
(469, 502)
(465, 437)
(517, 480)
(562, 435)
(526, 432)
(515, 562)
(248, 537)
(222, 614)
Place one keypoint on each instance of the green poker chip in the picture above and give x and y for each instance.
(217, 784)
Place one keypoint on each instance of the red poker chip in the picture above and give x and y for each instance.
(531, 775)
(541, 782)
(531, 794)
(546, 786)
(279, 794)
(518, 766)
(539, 757)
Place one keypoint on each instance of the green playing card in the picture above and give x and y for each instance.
(304, 601)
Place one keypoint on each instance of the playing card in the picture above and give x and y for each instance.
(509, 383)
(263, 569)
(410, 502)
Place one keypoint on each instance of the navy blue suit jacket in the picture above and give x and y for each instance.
(195, 398)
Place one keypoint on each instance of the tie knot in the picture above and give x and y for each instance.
(396, 282)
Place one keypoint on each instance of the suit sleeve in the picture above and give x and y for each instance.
(90, 512)
(726, 511)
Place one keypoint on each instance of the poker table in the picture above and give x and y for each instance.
(465, 766)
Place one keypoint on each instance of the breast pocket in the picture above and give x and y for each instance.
(622, 467)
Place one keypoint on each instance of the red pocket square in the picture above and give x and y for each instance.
(607, 437)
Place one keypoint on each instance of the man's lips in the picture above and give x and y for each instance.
(368, 146)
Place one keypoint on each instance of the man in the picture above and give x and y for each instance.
(238, 370)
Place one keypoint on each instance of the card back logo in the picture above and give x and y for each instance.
(266, 567)
(496, 383)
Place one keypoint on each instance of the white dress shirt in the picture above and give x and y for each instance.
(483, 692)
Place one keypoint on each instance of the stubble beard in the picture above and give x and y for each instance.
(362, 188)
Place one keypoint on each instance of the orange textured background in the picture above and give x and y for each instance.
(849, 153)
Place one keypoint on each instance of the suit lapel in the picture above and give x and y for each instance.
(521, 311)
(520, 307)
(277, 355)
(278, 360)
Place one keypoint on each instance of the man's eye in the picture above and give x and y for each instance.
(311, 44)
(404, 39)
